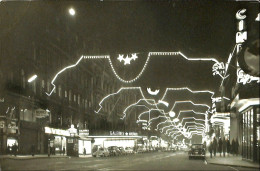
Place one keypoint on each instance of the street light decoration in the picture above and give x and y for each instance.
(32, 78)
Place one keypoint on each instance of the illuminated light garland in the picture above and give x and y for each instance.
(71, 66)
(154, 93)
(122, 88)
(193, 119)
(139, 75)
(186, 88)
(228, 63)
(188, 101)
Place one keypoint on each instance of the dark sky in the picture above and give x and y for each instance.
(197, 28)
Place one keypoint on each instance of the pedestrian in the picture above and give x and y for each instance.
(12, 148)
(236, 146)
(49, 150)
(233, 147)
(8, 149)
(220, 143)
(84, 151)
(211, 148)
(63, 151)
(15, 149)
(228, 146)
(215, 146)
(33, 149)
(224, 146)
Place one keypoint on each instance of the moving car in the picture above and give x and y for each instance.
(101, 152)
(197, 150)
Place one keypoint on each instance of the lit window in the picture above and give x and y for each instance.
(59, 91)
(43, 83)
(86, 103)
(23, 78)
(48, 86)
(65, 94)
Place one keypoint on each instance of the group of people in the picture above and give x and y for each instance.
(223, 146)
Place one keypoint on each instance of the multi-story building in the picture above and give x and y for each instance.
(25, 108)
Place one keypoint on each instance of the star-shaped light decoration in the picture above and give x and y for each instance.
(120, 57)
(127, 60)
(134, 56)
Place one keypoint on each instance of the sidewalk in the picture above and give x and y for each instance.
(24, 157)
(230, 161)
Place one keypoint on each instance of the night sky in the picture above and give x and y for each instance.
(196, 28)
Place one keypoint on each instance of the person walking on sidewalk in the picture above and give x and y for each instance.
(63, 151)
(228, 147)
(224, 146)
(236, 147)
(233, 147)
(211, 149)
(215, 146)
(220, 143)
(33, 149)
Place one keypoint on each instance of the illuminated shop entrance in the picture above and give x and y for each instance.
(250, 141)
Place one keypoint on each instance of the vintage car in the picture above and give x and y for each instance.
(101, 152)
(197, 151)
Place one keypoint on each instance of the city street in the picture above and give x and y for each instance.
(146, 161)
(136, 85)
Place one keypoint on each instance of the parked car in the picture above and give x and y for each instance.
(101, 152)
(129, 150)
(197, 150)
(114, 151)
(122, 151)
(95, 149)
(141, 149)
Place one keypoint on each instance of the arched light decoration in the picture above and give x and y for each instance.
(154, 54)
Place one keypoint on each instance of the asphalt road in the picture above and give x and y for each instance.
(146, 161)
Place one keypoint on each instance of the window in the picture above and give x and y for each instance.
(75, 98)
(59, 91)
(23, 78)
(78, 99)
(43, 84)
(65, 94)
(86, 103)
(34, 86)
(70, 95)
(48, 86)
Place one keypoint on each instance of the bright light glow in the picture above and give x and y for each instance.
(241, 37)
(163, 102)
(32, 78)
(258, 17)
(244, 78)
(172, 114)
(240, 15)
(72, 11)
(127, 60)
(154, 93)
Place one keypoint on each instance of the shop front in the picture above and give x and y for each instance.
(250, 138)
(57, 139)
